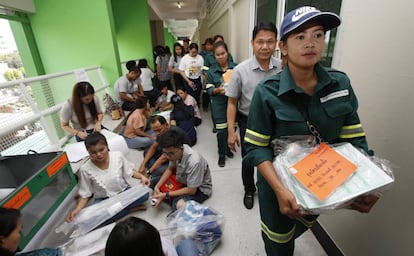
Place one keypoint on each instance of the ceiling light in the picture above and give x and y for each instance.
(179, 5)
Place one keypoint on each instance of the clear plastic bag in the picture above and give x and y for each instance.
(373, 175)
(198, 222)
(94, 215)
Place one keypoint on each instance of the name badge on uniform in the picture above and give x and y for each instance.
(334, 95)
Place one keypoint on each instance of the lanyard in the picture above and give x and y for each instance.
(301, 104)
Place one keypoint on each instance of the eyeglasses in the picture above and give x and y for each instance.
(172, 153)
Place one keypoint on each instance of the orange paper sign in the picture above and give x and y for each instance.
(19, 199)
(323, 170)
(57, 165)
(227, 75)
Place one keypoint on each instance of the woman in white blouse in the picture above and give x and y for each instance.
(104, 175)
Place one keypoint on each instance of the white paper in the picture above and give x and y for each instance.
(165, 114)
(77, 151)
(81, 75)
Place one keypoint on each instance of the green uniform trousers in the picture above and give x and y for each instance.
(278, 230)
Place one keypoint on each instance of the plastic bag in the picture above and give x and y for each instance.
(373, 174)
(94, 215)
(200, 223)
(89, 244)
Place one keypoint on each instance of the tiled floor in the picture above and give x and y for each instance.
(242, 230)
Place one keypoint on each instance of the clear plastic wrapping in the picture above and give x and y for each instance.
(92, 243)
(372, 176)
(200, 223)
(95, 214)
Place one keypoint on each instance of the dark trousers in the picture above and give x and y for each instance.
(178, 81)
(247, 170)
(195, 93)
(206, 99)
(128, 105)
(152, 96)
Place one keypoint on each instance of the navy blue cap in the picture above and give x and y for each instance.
(301, 15)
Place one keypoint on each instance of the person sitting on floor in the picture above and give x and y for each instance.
(183, 117)
(155, 162)
(135, 236)
(128, 87)
(191, 170)
(10, 229)
(105, 174)
(136, 134)
(190, 101)
(164, 100)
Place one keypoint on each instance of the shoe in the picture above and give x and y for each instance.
(248, 200)
(230, 154)
(222, 161)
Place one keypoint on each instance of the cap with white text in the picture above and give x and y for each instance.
(301, 15)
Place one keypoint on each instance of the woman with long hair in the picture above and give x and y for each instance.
(174, 64)
(161, 61)
(10, 229)
(182, 116)
(83, 111)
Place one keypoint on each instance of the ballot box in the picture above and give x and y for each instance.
(36, 184)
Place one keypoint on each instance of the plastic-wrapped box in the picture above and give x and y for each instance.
(95, 214)
(372, 175)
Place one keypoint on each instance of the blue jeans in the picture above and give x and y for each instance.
(187, 247)
(139, 142)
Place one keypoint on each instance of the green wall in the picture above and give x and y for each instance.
(169, 39)
(133, 32)
(76, 34)
(27, 48)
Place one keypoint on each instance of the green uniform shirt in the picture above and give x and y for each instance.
(210, 59)
(274, 112)
(214, 79)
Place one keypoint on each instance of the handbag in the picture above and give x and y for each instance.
(170, 184)
(116, 112)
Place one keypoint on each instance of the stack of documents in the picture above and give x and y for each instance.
(322, 183)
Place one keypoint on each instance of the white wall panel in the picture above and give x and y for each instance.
(375, 48)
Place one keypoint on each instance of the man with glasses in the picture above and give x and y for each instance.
(155, 163)
(189, 166)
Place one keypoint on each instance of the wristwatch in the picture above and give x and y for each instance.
(148, 172)
(167, 195)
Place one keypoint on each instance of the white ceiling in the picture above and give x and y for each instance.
(181, 22)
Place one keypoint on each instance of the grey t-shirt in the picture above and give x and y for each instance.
(125, 85)
(244, 79)
(193, 170)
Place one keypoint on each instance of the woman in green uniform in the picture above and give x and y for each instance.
(304, 94)
(216, 89)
